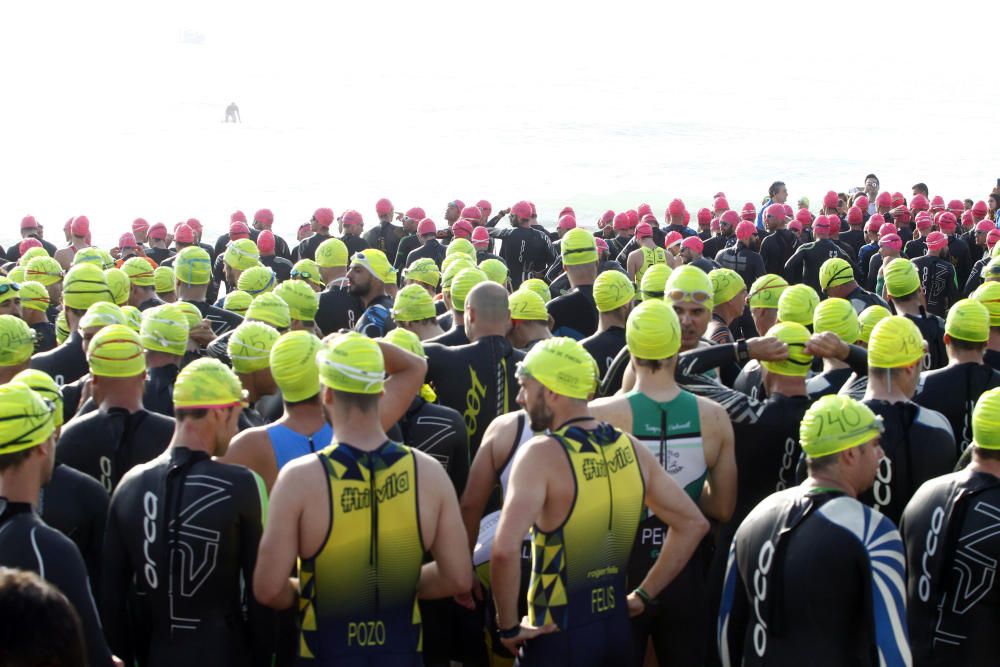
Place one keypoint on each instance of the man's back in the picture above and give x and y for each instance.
(953, 391)
(938, 278)
(776, 249)
(574, 314)
(743, 261)
(183, 532)
(814, 577)
(804, 264)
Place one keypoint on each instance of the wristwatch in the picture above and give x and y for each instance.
(510, 632)
(742, 351)
(648, 601)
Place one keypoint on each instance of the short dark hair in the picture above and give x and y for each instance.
(906, 297)
(873, 176)
(312, 399)
(13, 460)
(821, 463)
(773, 190)
(921, 188)
(983, 453)
(653, 364)
(966, 345)
(181, 414)
(38, 625)
(361, 402)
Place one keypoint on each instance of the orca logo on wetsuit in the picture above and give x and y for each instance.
(931, 545)
(764, 560)
(882, 490)
(787, 464)
(149, 503)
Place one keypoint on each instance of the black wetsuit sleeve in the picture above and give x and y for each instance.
(261, 621)
(116, 582)
(793, 267)
(734, 613)
(701, 360)
(64, 569)
(857, 359)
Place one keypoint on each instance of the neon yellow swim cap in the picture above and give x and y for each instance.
(140, 272)
(986, 420)
(352, 363)
(526, 305)
(18, 341)
(988, 294)
(257, 280)
(413, 303)
(539, 287)
(726, 284)
(30, 254)
(331, 253)
(795, 337)
(308, 270)
(241, 254)
(495, 270)
(42, 384)
(302, 300)
(102, 314)
(612, 290)
(424, 270)
(16, 275)
(193, 266)
(562, 366)
(797, 303)
(406, 340)
(293, 365)
(834, 272)
(84, 286)
(376, 263)
(26, 419)
(250, 346)
(463, 284)
(191, 312)
(453, 268)
(578, 247)
(690, 284)
(836, 423)
(654, 281)
(838, 316)
(133, 317)
(895, 342)
(107, 261)
(165, 329)
(115, 352)
(208, 384)
(163, 280)
(237, 302)
(991, 272)
(652, 330)
(270, 309)
(119, 284)
(968, 320)
(901, 277)
(868, 318)
(45, 270)
(34, 296)
(62, 327)
(463, 247)
(88, 255)
(766, 290)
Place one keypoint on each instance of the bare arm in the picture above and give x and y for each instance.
(450, 572)
(666, 499)
(405, 373)
(482, 480)
(632, 265)
(252, 449)
(718, 497)
(279, 546)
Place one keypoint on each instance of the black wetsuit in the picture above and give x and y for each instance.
(385, 237)
(159, 255)
(66, 363)
(958, 254)
(152, 302)
(282, 267)
(861, 298)
(992, 359)
(915, 248)
(407, 244)
(937, 276)
(953, 391)
(338, 309)
(14, 252)
(718, 243)
(77, 506)
(815, 578)
(439, 432)
(158, 394)
(376, 320)
(107, 444)
(705, 264)
(827, 383)
(932, 329)
(431, 249)
(575, 313)
(951, 530)
(604, 346)
(354, 244)
(918, 445)
(307, 248)
(526, 251)
(975, 276)
(854, 238)
(45, 336)
(27, 543)
(477, 380)
(743, 261)
(219, 319)
(776, 249)
(804, 264)
(182, 535)
(452, 338)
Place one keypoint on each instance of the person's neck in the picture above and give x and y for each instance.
(911, 307)
(80, 243)
(123, 399)
(427, 331)
(373, 293)
(582, 278)
(7, 373)
(485, 331)
(786, 385)
(956, 356)
(21, 484)
(458, 318)
(161, 360)
(658, 385)
(191, 293)
(358, 429)
(728, 312)
(648, 242)
(994, 341)
(830, 480)
(32, 316)
(880, 390)
(980, 464)
(193, 436)
(536, 332)
(304, 418)
(607, 320)
(575, 411)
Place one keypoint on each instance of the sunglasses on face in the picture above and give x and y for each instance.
(7, 287)
(697, 296)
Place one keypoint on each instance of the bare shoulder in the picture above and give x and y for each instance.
(246, 444)
(710, 411)
(613, 409)
(502, 424)
(301, 476)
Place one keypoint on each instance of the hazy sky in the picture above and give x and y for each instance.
(114, 100)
